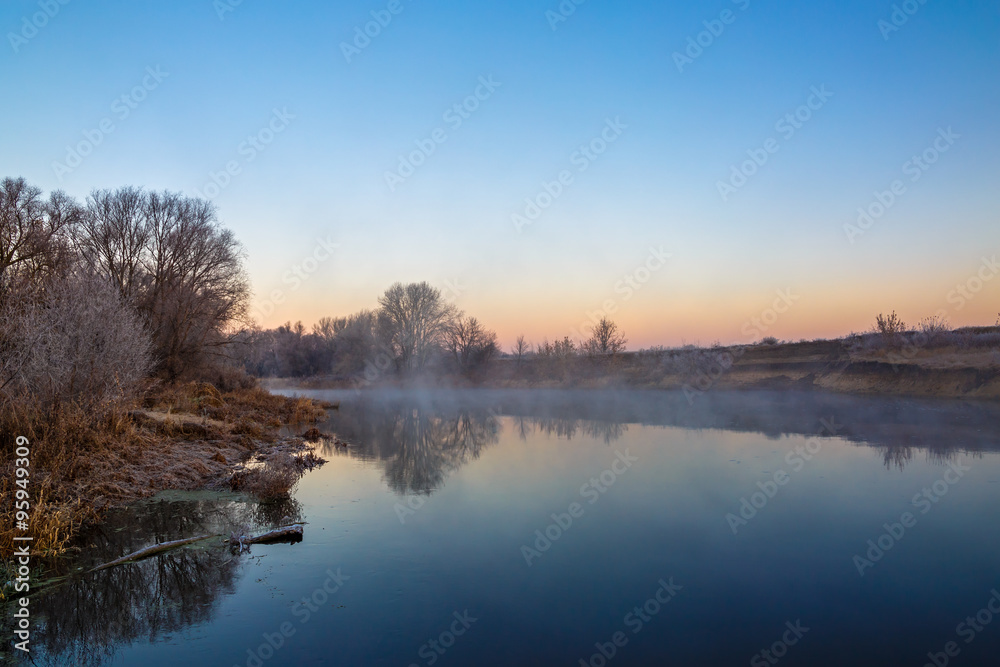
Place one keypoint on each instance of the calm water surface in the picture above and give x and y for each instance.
(569, 528)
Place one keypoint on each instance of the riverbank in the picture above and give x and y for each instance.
(961, 364)
(184, 437)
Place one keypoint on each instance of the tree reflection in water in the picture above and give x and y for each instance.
(422, 436)
(83, 620)
(418, 446)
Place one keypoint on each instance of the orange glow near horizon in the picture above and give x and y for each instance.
(697, 316)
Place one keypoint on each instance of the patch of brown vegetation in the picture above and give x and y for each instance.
(272, 475)
(185, 437)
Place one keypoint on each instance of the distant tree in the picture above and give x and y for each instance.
(328, 327)
(355, 345)
(412, 322)
(520, 349)
(471, 345)
(564, 348)
(606, 339)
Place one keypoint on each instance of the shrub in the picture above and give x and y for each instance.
(891, 328)
(79, 343)
(933, 325)
(891, 325)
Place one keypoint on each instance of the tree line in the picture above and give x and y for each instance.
(96, 296)
(413, 331)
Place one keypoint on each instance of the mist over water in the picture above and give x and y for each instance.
(495, 527)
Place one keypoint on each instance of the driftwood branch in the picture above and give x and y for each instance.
(291, 533)
(150, 551)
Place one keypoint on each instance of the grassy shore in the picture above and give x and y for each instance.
(188, 437)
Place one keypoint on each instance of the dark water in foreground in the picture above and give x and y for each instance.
(549, 528)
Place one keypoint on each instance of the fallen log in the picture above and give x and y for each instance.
(291, 533)
(150, 551)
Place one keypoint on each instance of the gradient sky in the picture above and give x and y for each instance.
(656, 186)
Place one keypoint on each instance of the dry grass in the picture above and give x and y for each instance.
(185, 437)
(270, 480)
(271, 476)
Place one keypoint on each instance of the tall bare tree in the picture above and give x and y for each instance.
(171, 259)
(413, 321)
(34, 235)
(520, 350)
(114, 238)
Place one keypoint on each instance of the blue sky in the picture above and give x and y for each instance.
(346, 124)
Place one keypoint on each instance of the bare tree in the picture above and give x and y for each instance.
(356, 343)
(471, 345)
(171, 259)
(520, 349)
(606, 339)
(413, 320)
(34, 235)
(328, 327)
(114, 238)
